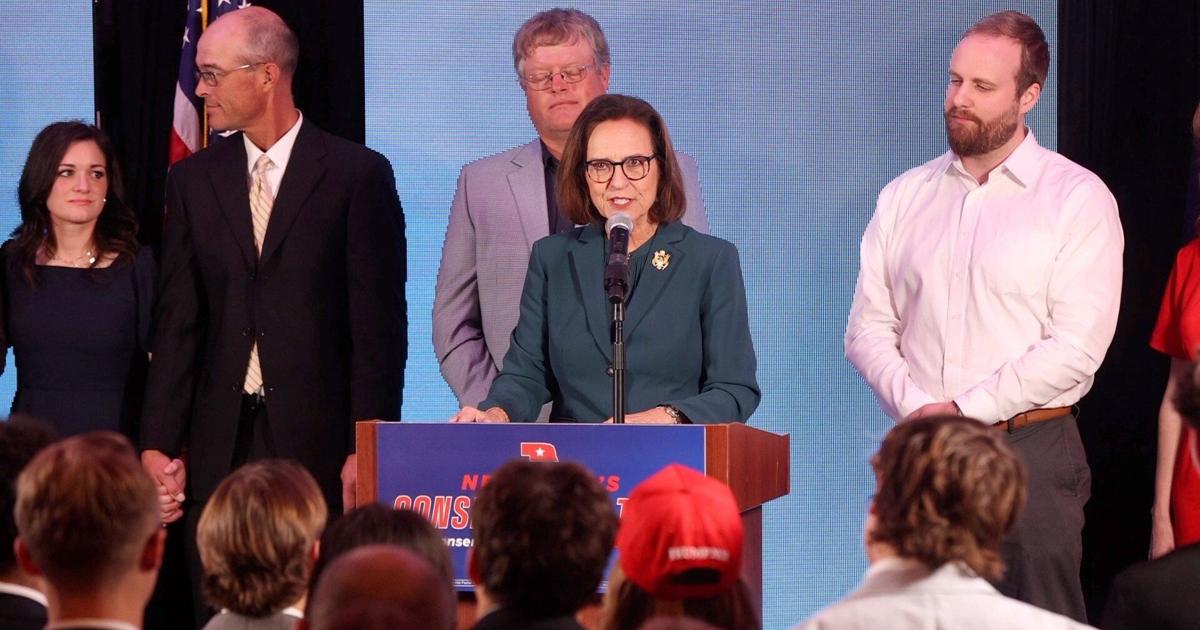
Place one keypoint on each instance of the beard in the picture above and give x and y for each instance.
(969, 140)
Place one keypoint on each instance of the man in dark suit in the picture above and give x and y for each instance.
(281, 318)
(22, 595)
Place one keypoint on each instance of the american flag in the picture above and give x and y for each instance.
(188, 128)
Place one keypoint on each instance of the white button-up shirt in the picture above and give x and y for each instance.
(902, 594)
(1002, 297)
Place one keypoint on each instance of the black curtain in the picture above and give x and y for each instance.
(1128, 84)
(137, 64)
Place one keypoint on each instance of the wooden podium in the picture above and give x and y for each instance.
(435, 468)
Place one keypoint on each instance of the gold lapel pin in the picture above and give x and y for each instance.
(661, 259)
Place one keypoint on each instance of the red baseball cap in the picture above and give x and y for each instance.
(681, 535)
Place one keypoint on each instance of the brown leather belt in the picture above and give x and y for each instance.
(1032, 416)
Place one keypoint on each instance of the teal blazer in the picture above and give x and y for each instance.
(687, 333)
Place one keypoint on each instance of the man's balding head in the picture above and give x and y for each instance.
(380, 583)
(258, 35)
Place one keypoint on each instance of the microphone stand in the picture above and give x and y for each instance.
(618, 364)
(616, 287)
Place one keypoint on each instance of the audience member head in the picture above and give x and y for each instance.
(680, 555)
(72, 177)
(562, 62)
(246, 61)
(380, 586)
(543, 535)
(378, 524)
(258, 536)
(88, 520)
(661, 177)
(948, 490)
(20, 439)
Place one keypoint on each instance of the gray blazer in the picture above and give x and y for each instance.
(499, 210)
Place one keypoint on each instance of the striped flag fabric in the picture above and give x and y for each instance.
(186, 123)
(189, 131)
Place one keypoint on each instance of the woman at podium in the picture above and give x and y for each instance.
(689, 356)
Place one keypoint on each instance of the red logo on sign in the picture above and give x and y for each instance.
(539, 451)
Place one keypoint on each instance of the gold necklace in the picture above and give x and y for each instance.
(88, 257)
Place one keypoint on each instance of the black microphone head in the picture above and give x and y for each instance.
(619, 219)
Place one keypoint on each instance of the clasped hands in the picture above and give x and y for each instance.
(655, 415)
(170, 477)
(948, 408)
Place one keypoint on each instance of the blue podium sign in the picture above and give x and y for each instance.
(436, 469)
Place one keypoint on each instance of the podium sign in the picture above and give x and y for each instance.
(436, 469)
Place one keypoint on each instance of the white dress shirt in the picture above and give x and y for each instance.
(1002, 297)
(9, 588)
(903, 594)
(280, 153)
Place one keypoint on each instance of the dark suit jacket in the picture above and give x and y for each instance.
(503, 619)
(1159, 594)
(687, 333)
(325, 302)
(21, 613)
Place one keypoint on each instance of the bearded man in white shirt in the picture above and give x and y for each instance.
(989, 287)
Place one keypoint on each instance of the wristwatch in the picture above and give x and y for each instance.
(676, 415)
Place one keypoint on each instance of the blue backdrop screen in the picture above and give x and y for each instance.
(45, 76)
(798, 113)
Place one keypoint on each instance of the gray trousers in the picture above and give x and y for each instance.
(1044, 551)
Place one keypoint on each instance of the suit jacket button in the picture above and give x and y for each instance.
(246, 331)
(235, 387)
(609, 371)
(270, 390)
(251, 276)
(262, 333)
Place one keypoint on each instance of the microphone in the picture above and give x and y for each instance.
(616, 271)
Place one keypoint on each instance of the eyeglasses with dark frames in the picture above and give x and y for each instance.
(634, 167)
(212, 77)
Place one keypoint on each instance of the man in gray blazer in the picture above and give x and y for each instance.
(506, 202)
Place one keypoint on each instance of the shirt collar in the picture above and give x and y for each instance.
(106, 624)
(1020, 166)
(23, 591)
(280, 152)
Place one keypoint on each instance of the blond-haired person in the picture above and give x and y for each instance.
(258, 541)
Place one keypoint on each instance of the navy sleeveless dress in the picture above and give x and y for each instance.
(80, 340)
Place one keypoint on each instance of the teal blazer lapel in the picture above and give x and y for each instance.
(653, 280)
(587, 272)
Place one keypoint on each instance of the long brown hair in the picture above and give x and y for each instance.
(628, 606)
(116, 228)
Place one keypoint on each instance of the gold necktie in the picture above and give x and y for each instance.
(261, 201)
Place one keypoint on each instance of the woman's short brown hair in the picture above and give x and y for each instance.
(573, 197)
(255, 537)
(949, 489)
